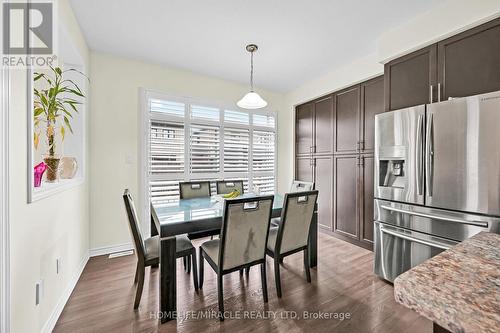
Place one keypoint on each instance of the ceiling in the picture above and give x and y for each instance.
(298, 39)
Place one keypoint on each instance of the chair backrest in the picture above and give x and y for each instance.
(189, 190)
(133, 224)
(245, 227)
(300, 186)
(296, 217)
(227, 186)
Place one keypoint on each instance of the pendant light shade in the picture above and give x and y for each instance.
(251, 100)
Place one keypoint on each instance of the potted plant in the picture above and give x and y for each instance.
(54, 107)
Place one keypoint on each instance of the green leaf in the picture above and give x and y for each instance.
(62, 133)
(38, 111)
(58, 70)
(37, 76)
(66, 121)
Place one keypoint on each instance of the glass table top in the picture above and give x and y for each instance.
(199, 208)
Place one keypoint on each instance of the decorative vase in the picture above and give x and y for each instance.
(52, 168)
(68, 167)
(38, 171)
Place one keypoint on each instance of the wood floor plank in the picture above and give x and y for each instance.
(343, 283)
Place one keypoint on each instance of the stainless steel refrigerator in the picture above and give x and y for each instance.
(437, 179)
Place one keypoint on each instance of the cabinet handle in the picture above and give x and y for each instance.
(439, 92)
(430, 94)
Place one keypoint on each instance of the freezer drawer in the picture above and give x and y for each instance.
(399, 155)
(397, 249)
(463, 154)
(442, 223)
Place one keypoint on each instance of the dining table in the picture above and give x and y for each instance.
(198, 215)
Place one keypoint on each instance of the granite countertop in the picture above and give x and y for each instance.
(459, 289)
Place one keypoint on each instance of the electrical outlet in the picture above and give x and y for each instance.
(58, 265)
(38, 292)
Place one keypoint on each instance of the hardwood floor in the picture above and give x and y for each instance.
(343, 283)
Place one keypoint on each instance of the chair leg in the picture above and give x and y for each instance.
(247, 272)
(136, 273)
(188, 258)
(201, 266)
(195, 270)
(264, 281)
(306, 266)
(241, 272)
(220, 294)
(277, 276)
(184, 262)
(140, 285)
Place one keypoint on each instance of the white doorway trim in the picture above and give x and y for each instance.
(4, 199)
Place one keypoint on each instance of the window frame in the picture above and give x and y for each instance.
(145, 117)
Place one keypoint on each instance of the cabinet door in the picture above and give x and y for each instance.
(323, 114)
(372, 103)
(324, 184)
(469, 63)
(304, 169)
(346, 195)
(347, 120)
(304, 122)
(410, 79)
(366, 200)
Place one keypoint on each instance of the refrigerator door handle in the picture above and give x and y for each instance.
(434, 244)
(419, 154)
(436, 217)
(429, 152)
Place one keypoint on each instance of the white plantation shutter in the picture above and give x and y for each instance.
(263, 120)
(166, 148)
(189, 142)
(236, 147)
(204, 149)
(265, 184)
(166, 107)
(236, 117)
(263, 151)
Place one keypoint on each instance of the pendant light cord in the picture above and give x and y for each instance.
(251, 71)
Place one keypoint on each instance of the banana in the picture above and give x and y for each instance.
(232, 194)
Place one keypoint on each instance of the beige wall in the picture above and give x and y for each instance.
(40, 232)
(114, 131)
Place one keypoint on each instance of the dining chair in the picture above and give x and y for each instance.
(297, 186)
(242, 244)
(300, 186)
(227, 186)
(292, 234)
(193, 190)
(147, 250)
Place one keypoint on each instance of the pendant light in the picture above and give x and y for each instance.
(251, 100)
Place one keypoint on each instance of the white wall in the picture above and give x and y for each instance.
(54, 227)
(114, 131)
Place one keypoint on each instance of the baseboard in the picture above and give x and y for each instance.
(54, 316)
(99, 251)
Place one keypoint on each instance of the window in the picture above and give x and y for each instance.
(190, 142)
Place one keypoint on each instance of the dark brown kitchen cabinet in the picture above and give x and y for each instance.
(345, 203)
(469, 63)
(410, 80)
(372, 103)
(346, 109)
(304, 169)
(463, 65)
(323, 171)
(304, 122)
(366, 199)
(323, 126)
